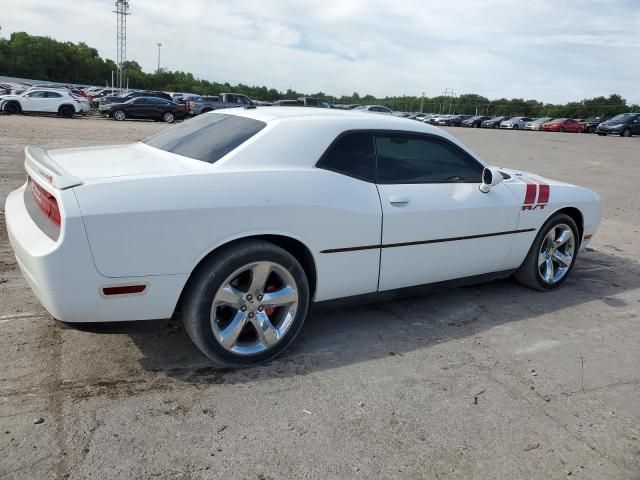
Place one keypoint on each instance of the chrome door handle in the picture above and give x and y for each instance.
(398, 201)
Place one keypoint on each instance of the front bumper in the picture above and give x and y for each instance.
(63, 276)
(609, 130)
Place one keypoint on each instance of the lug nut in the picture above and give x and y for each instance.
(260, 308)
(243, 308)
(249, 297)
(259, 297)
(251, 315)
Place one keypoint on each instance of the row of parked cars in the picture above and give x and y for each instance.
(162, 106)
(625, 124)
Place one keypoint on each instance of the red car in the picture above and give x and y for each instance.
(563, 125)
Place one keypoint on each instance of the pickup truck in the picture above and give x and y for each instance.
(304, 102)
(197, 104)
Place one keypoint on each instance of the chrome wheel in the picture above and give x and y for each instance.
(556, 254)
(254, 308)
(119, 115)
(168, 117)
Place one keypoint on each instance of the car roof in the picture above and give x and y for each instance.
(348, 119)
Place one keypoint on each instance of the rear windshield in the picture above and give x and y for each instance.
(208, 137)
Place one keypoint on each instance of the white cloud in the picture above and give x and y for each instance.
(549, 50)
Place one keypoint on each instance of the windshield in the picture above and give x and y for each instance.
(208, 137)
(623, 117)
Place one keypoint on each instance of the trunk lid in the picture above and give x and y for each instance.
(73, 166)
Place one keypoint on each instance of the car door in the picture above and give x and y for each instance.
(34, 101)
(52, 102)
(635, 125)
(138, 108)
(437, 224)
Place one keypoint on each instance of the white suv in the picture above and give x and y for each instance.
(43, 100)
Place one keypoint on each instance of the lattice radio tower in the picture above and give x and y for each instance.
(121, 11)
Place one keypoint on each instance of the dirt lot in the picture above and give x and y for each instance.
(383, 391)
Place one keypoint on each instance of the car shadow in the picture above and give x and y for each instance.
(332, 338)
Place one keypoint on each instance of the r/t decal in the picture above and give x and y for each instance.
(536, 195)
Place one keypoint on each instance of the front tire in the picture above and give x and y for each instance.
(552, 254)
(168, 117)
(119, 115)
(246, 304)
(626, 132)
(515, 127)
(12, 108)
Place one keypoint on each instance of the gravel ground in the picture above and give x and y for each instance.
(490, 381)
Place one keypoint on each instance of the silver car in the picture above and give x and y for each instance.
(515, 123)
(536, 124)
(374, 109)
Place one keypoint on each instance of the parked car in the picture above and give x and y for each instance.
(590, 124)
(441, 120)
(42, 100)
(374, 109)
(133, 230)
(152, 108)
(457, 120)
(304, 102)
(493, 122)
(536, 123)
(286, 103)
(114, 99)
(515, 123)
(625, 125)
(562, 125)
(227, 100)
(475, 122)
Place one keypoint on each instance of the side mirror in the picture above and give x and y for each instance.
(491, 177)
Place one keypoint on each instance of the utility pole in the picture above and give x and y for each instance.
(446, 94)
(121, 11)
(422, 103)
(159, 45)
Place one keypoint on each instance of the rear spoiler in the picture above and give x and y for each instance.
(40, 165)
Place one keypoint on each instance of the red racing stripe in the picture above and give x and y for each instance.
(532, 190)
(543, 194)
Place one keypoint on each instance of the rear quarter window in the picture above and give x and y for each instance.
(207, 138)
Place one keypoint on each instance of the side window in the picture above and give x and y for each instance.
(52, 95)
(36, 95)
(353, 155)
(156, 101)
(414, 159)
(140, 101)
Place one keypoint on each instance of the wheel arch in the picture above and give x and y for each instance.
(60, 107)
(295, 247)
(577, 217)
(9, 102)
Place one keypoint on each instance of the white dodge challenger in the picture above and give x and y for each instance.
(240, 219)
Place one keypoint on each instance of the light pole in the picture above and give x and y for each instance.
(159, 45)
(422, 103)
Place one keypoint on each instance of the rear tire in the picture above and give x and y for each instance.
(515, 127)
(227, 278)
(626, 132)
(168, 117)
(119, 115)
(66, 111)
(530, 272)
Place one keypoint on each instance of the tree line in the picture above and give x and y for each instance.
(43, 58)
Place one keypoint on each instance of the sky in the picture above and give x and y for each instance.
(549, 50)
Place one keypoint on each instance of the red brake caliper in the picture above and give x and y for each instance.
(269, 310)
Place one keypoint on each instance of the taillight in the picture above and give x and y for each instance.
(47, 203)
(192, 104)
